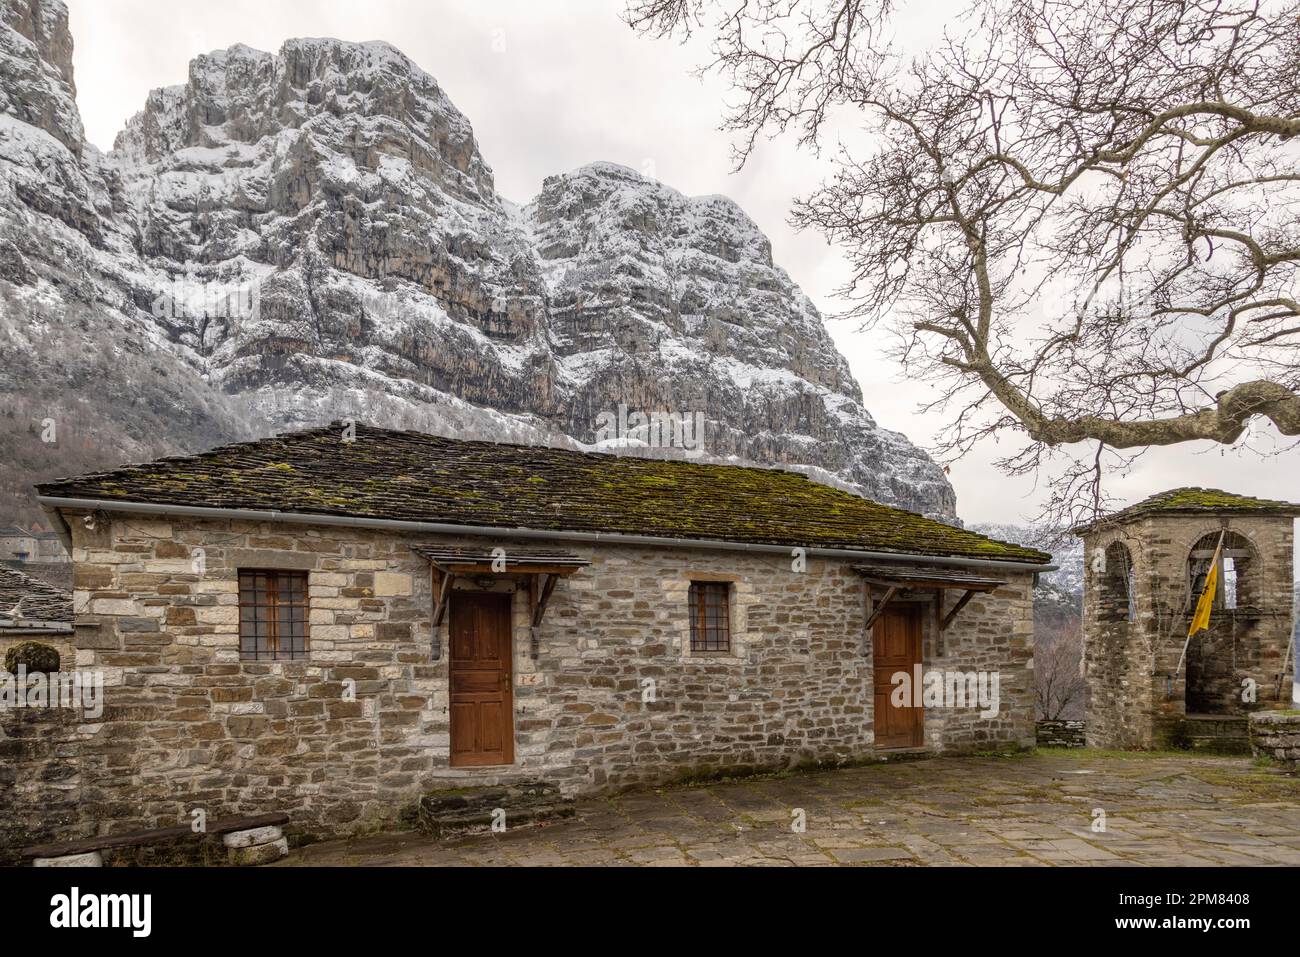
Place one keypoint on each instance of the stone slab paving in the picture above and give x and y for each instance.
(1024, 810)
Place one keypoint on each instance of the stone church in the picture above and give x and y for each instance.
(338, 622)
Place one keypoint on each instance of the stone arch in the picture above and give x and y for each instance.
(1215, 655)
(1238, 568)
(1116, 583)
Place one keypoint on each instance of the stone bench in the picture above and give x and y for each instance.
(248, 840)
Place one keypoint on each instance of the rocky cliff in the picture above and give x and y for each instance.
(289, 238)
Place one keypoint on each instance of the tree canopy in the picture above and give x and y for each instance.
(1080, 217)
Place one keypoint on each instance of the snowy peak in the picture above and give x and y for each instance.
(36, 64)
(368, 98)
(336, 201)
(619, 247)
(619, 197)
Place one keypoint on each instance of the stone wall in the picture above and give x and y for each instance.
(189, 725)
(1138, 694)
(1061, 734)
(993, 633)
(40, 779)
(1276, 734)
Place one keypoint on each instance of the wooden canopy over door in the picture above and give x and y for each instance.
(482, 694)
(897, 580)
(896, 647)
(541, 569)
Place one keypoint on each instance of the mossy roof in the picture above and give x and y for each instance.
(1190, 500)
(409, 476)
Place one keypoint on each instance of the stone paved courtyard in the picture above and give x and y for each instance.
(1019, 810)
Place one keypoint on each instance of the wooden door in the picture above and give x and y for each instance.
(896, 646)
(482, 698)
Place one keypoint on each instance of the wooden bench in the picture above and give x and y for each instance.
(251, 840)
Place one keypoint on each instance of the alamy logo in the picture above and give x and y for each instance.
(58, 689)
(656, 430)
(189, 297)
(73, 910)
(947, 689)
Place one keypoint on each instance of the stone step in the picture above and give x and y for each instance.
(461, 809)
(514, 816)
(1220, 734)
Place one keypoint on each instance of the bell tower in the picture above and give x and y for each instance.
(1149, 685)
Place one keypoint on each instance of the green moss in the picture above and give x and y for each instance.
(1008, 751)
(1087, 754)
(1257, 782)
(36, 656)
(1212, 499)
(1193, 500)
(1173, 735)
(413, 477)
(704, 776)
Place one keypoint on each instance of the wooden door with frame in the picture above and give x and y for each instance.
(481, 680)
(896, 645)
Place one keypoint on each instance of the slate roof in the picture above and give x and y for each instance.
(1192, 501)
(25, 598)
(926, 577)
(409, 476)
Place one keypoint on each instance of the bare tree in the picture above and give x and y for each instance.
(1058, 672)
(1080, 215)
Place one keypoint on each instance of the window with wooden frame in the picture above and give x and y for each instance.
(710, 617)
(272, 615)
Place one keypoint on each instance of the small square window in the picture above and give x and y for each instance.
(710, 618)
(272, 615)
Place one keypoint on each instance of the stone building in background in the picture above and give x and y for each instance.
(33, 609)
(18, 544)
(1151, 686)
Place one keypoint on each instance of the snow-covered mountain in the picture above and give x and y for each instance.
(1066, 551)
(288, 238)
(1058, 597)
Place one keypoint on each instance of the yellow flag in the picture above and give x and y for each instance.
(1202, 617)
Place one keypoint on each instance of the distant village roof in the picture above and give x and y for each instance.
(24, 599)
(1195, 501)
(409, 476)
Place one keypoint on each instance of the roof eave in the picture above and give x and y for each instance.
(59, 522)
(1125, 517)
(312, 518)
(36, 626)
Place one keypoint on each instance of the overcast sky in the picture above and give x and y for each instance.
(551, 86)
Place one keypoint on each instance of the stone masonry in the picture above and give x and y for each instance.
(1138, 696)
(1276, 735)
(188, 724)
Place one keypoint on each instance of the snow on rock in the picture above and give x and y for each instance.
(36, 64)
(363, 264)
(675, 301)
